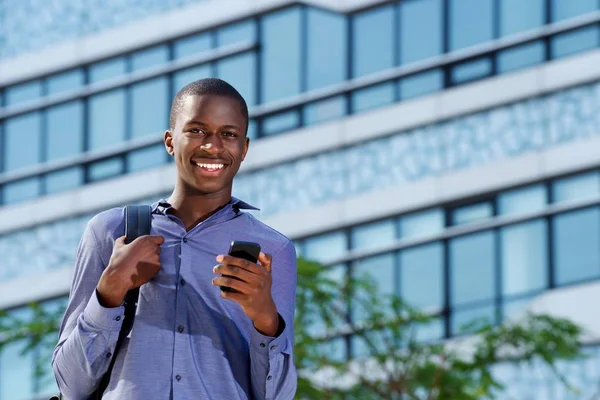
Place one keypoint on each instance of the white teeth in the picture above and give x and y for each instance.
(210, 166)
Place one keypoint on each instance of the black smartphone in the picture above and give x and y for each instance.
(246, 250)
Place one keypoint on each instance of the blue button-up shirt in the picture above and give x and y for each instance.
(186, 342)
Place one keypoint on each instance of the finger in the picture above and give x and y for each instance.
(156, 239)
(234, 270)
(233, 283)
(120, 241)
(265, 260)
(237, 297)
(240, 262)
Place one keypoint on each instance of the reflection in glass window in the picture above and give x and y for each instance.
(472, 275)
(149, 107)
(373, 41)
(280, 56)
(105, 169)
(518, 15)
(149, 58)
(189, 75)
(192, 45)
(64, 130)
(564, 9)
(575, 246)
(468, 320)
(63, 180)
(21, 190)
(23, 92)
(373, 97)
(278, 123)
(471, 22)
(472, 213)
(574, 42)
(471, 70)
(420, 19)
(524, 200)
(373, 235)
(64, 81)
(326, 49)
(422, 223)
(378, 270)
(522, 56)
(324, 110)
(17, 131)
(107, 69)
(106, 119)
(238, 32)
(577, 187)
(523, 250)
(422, 275)
(240, 72)
(421, 84)
(147, 158)
(326, 248)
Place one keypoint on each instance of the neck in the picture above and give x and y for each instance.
(193, 208)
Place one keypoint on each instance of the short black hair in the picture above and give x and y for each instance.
(207, 86)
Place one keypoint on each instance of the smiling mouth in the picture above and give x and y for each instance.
(210, 167)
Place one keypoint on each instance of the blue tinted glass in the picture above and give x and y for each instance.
(106, 119)
(373, 235)
(278, 123)
(335, 349)
(421, 84)
(107, 69)
(17, 131)
(570, 43)
(326, 49)
(192, 45)
(280, 75)
(373, 97)
(575, 246)
(422, 275)
(64, 130)
(238, 32)
(149, 58)
(378, 270)
(518, 15)
(147, 158)
(423, 223)
(64, 180)
(577, 187)
(461, 320)
(472, 213)
(64, 81)
(563, 9)
(471, 22)
(525, 200)
(472, 275)
(240, 72)
(523, 250)
(430, 331)
(17, 374)
(521, 56)
(251, 133)
(21, 190)
(105, 169)
(324, 110)
(514, 309)
(149, 107)
(471, 70)
(23, 92)
(325, 248)
(420, 19)
(189, 75)
(373, 41)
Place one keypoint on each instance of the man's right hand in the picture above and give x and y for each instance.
(130, 266)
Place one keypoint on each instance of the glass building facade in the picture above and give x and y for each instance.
(487, 254)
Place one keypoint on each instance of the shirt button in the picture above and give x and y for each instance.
(178, 377)
(269, 377)
(262, 345)
(108, 355)
(180, 329)
(182, 281)
(184, 240)
(118, 318)
(273, 347)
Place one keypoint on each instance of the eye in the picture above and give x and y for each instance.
(230, 134)
(195, 130)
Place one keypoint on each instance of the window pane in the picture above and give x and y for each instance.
(281, 122)
(577, 187)
(521, 57)
(420, 19)
(325, 248)
(479, 315)
(570, 43)
(422, 275)
(64, 135)
(525, 200)
(149, 107)
(280, 75)
(17, 371)
(472, 213)
(107, 119)
(423, 223)
(326, 49)
(335, 349)
(421, 84)
(252, 131)
(472, 276)
(373, 235)
(23, 92)
(575, 246)
(373, 42)
(106, 169)
(240, 72)
(563, 9)
(471, 70)
(471, 22)
(149, 58)
(17, 131)
(192, 45)
(189, 75)
(514, 309)
(518, 15)
(324, 110)
(107, 69)
(373, 97)
(21, 190)
(64, 81)
(64, 180)
(524, 257)
(378, 270)
(143, 159)
(238, 32)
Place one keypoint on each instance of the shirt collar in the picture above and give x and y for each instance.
(163, 206)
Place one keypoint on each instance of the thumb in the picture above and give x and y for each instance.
(156, 239)
(265, 260)
(120, 241)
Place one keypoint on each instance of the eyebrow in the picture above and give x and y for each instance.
(194, 122)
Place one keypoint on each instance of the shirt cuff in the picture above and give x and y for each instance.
(267, 345)
(104, 318)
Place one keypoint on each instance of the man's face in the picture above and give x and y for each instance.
(209, 143)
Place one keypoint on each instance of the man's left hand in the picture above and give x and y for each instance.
(253, 285)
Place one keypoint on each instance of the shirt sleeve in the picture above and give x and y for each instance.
(88, 331)
(273, 372)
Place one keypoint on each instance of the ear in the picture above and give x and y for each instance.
(246, 145)
(168, 141)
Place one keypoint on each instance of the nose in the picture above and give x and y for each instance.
(212, 146)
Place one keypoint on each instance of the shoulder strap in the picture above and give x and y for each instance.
(138, 220)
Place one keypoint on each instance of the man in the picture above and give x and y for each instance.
(190, 340)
